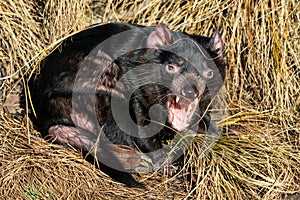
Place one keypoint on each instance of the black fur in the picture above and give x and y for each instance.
(97, 68)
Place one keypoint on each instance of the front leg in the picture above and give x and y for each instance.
(208, 127)
(149, 120)
(153, 148)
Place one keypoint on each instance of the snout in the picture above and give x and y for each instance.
(190, 91)
(182, 103)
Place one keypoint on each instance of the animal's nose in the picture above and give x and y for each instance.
(189, 91)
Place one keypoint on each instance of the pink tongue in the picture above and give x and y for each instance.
(183, 103)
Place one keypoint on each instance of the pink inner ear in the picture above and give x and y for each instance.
(162, 36)
(218, 43)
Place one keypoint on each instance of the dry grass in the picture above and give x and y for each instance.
(257, 157)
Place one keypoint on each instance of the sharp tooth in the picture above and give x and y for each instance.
(177, 99)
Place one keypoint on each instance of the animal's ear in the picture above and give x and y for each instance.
(161, 36)
(216, 44)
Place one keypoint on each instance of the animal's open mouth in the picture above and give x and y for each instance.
(181, 110)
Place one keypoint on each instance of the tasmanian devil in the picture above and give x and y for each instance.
(116, 89)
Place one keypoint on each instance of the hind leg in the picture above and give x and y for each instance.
(114, 160)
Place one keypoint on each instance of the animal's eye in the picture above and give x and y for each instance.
(172, 68)
(209, 74)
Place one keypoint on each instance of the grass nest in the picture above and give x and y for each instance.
(257, 156)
